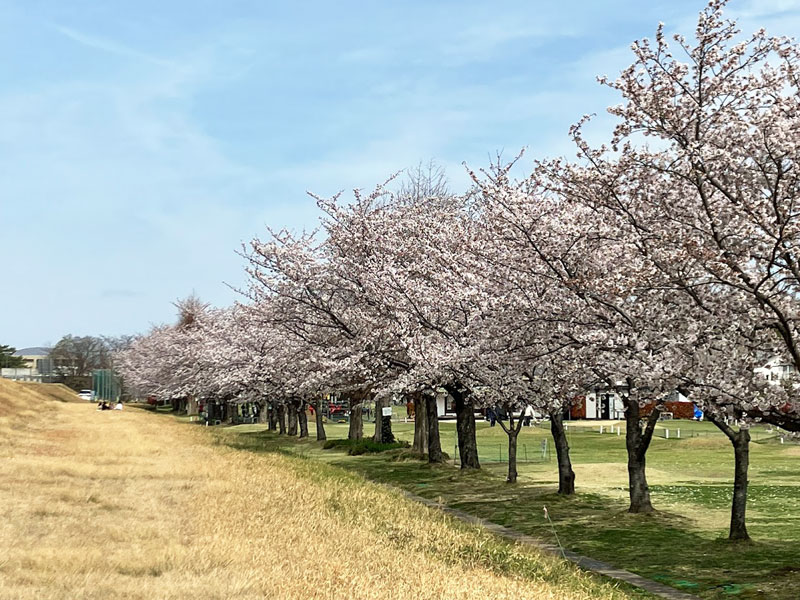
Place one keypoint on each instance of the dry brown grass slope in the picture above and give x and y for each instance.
(103, 505)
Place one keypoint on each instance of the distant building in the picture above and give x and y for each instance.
(38, 365)
(37, 358)
(602, 402)
(776, 369)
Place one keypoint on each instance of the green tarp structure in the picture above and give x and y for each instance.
(106, 385)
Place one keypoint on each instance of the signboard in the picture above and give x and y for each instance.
(386, 411)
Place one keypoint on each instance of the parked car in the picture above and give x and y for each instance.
(86, 395)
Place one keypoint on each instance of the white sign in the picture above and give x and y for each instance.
(386, 411)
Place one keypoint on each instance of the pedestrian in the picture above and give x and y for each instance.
(527, 415)
(492, 416)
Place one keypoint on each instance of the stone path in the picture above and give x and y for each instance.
(584, 562)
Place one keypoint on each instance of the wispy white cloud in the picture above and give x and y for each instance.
(147, 175)
(111, 46)
(485, 40)
(767, 8)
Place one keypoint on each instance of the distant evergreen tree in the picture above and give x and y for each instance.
(7, 360)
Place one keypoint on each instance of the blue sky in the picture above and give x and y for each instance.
(142, 142)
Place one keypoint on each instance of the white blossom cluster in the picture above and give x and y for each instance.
(667, 259)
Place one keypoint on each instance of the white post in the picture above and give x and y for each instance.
(679, 434)
(601, 429)
(666, 434)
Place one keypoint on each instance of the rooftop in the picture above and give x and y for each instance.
(34, 351)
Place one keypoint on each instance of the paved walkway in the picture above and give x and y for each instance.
(584, 562)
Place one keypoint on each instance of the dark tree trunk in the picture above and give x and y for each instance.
(318, 421)
(272, 411)
(465, 428)
(356, 429)
(512, 457)
(741, 451)
(383, 425)
(566, 476)
(291, 409)
(387, 436)
(637, 442)
(302, 418)
(227, 413)
(435, 454)
(378, 404)
(282, 417)
(512, 431)
(420, 422)
(263, 412)
(639, 490)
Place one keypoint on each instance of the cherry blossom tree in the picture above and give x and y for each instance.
(711, 202)
(319, 298)
(708, 205)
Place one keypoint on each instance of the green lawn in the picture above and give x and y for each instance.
(682, 544)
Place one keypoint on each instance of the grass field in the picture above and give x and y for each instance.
(683, 544)
(134, 504)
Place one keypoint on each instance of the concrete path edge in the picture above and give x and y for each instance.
(584, 562)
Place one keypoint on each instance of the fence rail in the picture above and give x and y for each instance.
(678, 433)
(498, 453)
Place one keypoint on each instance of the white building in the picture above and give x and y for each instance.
(776, 369)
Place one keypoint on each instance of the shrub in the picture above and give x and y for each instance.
(363, 446)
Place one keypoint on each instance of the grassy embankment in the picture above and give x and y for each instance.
(134, 505)
(683, 544)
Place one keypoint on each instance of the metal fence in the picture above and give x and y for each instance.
(678, 433)
(498, 453)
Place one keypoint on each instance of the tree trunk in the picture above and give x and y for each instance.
(566, 476)
(272, 410)
(741, 452)
(192, 406)
(387, 436)
(302, 417)
(637, 442)
(383, 425)
(318, 421)
(291, 409)
(512, 431)
(639, 490)
(434, 442)
(376, 437)
(356, 429)
(465, 428)
(281, 418)
(421, 422)
(512, 456)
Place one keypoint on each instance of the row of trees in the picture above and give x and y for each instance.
(81, 355)
(665, 259)
(73, 354)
